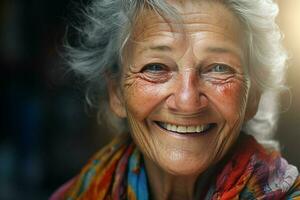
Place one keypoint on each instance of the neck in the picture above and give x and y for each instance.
(167, 186)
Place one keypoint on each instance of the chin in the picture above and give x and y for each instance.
(181, 164)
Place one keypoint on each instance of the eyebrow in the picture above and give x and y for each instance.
(221, 50)
(157, 48)
(218, 50)
(161, 48)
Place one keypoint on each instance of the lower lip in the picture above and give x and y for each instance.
(211, 127)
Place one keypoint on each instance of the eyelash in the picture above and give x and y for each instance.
(154, 67)
(225, 69)
(217, 68)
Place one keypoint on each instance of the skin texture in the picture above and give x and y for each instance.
(192, 75)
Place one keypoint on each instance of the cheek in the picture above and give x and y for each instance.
(143, 97)
(230, 99)
(234, 93)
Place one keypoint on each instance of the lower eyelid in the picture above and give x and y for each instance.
(156, 77)
(217, 75)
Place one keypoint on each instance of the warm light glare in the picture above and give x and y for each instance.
(289, 21)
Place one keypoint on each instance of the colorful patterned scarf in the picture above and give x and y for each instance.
(254, 173)
(117, 173)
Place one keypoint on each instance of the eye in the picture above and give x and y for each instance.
(220, 68)
(154, 68)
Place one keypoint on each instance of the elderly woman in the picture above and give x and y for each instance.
(184, 84)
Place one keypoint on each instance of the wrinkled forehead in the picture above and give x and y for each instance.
(188, 13)
(193, 18)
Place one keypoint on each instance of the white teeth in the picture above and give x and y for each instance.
(185, 129)
(181, 129)
(191, 129)
(167, 126)
(174, 128)
(200, 128)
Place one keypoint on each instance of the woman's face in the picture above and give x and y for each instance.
(185, 91)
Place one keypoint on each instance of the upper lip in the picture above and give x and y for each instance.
(189, 115)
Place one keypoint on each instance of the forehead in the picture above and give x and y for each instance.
(194, 17)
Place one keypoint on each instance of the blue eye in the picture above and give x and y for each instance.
(154, 68)
(221, 68)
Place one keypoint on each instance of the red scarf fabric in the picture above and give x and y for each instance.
(255, 173)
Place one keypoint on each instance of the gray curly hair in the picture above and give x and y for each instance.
(107, 27)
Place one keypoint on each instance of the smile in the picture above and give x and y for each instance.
(185, 129)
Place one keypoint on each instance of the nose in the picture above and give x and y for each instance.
(188, 96)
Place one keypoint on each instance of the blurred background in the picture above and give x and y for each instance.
(46, 134)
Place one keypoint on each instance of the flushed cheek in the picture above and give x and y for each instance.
(230, 99)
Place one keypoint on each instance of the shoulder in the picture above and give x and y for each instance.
(98, 169)
(253, 172)
(271, 176)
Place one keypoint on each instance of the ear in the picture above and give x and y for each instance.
(116, 101)
(253, 101)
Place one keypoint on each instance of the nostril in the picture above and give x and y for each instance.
(188, 103)
(190, 99)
